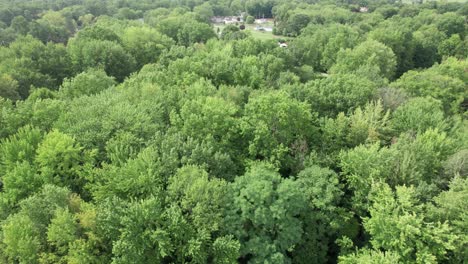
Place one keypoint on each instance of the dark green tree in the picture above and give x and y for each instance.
(263, 214)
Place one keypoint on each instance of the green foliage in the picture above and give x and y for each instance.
(396, 214)
(262, 214)
(366, 125)
(292, 18)
(421, 157)
(453, 47)
(9, 88)
(122, 147)
(89, 82)
(338, 93)
(185, 30)
(204, 12)
(62, 230)
(20, 182)
(35, 213)
(232, 32)
(194, 33)
(20, 25)
(18, 148)
(450, 207)
(319, 45)
(137, 177)
(427, 40)
(323, 193)
(411, 160)
(212, 122)
(435, 82)
(60, 160)
(363, 165)
(51, 225)
(396, 36)
(132, 132)
(456, 164)
(97, 32)
(419, 114)
(31, 63)
(21, 240)
(145, 44)
(57, 27)
(451, 23)
(371, 257)
(277, 128)
(95, 120)
(366, 54)
(453, 68)
(127, 13)
(296, 23)
(209, 118)
(109, 55)
(226, 250)
(42, 113)
(140, 240)
(200, 198)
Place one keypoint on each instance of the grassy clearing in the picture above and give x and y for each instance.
(440, 1)
(262, 35)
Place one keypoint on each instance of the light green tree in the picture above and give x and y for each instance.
(367, 53)
(339, 93)
(277, 128)
(8, 87)
(397, 215)
(369, 256)
(18, 148)
(441, 82)
(21, 240)
(419, 114)
(60, 160)
(62, 230)
(89, 82)
(145, 44)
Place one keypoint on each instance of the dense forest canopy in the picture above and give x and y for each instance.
(141, 131)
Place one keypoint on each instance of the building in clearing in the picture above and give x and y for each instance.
(227, 20)
(264, 20)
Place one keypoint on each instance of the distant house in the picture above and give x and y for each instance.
(231, 20)
(217, 19)
(263, 20)
(228, 20)
(260, 28)
(363, 9)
